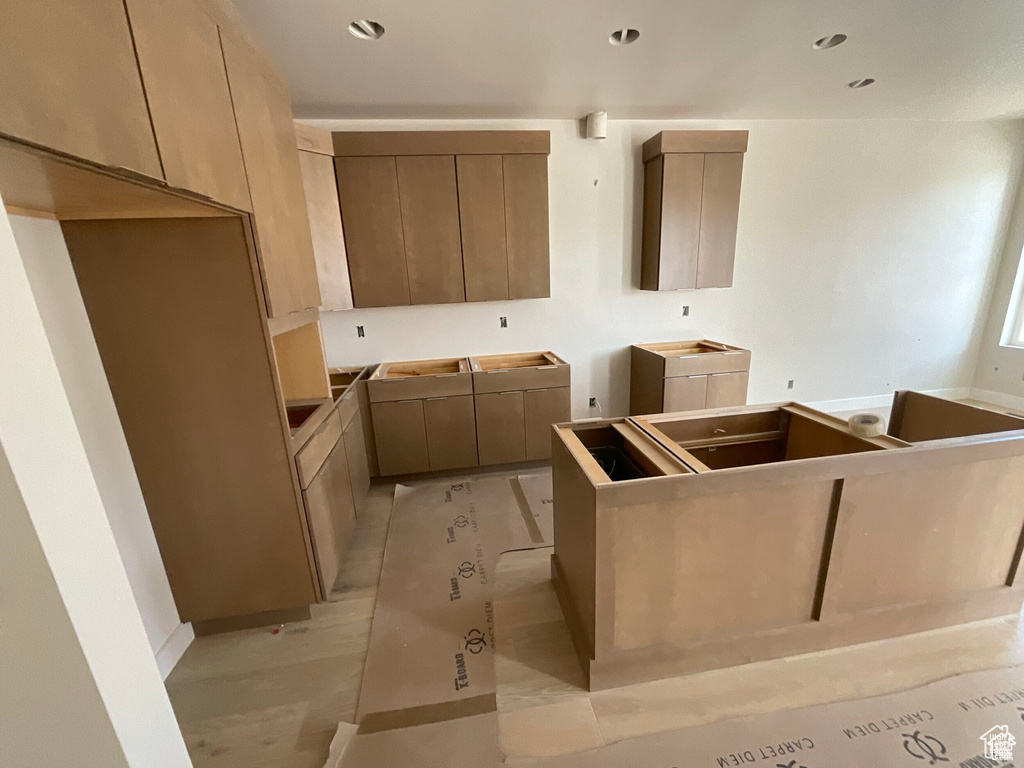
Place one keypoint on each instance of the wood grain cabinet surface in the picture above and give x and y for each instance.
(325, 226)
(834, 539)
(371, 212)
(331, 512)
(451, 432)
(501, 427)
(71, 83)
(691, 209)
(439, 217)
(267, 136)
(401, 433)
(671, 376)
(182, 66)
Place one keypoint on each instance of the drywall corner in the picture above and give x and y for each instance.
(174, 647)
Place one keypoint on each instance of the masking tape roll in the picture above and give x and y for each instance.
(867, 425)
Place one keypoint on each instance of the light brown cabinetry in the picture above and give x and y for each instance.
(518, 397)
(401, 434)
(358, 466)
(439, 217)
(71, 83)
(182, 66)
(331, 514)
(430, 223)
(457, 412)
(324, 214)
(451, 432)
(526, 225)
(687, 375)
(265, 130)
(371, 213)
(691, 208)
(482, 212)
(542, 408)
(501, 427)
(178, 323)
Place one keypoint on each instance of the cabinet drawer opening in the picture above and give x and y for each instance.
(621, 452)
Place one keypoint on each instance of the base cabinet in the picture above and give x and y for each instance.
(330, 511)
(501, 427)
(401, 434)
(358, 466)
(671, 376)
(451, 432)
(544, 407)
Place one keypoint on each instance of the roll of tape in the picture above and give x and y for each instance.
(866, 425)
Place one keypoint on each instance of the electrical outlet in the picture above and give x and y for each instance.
(359, 331)
(686, 310)
(504, 322)
(790, 385)
(593, 402)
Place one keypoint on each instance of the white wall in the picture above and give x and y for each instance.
(78, 682)
(865, 256)
(1000, 368)
(56, 293)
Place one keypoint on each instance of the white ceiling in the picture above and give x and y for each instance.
(944, 59)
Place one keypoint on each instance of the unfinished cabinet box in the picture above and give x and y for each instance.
(324, 211)
(71, 83)
(267, 137)
(691, 208)
(515, 428)
(421, 420)
(687, 375)
(832, 539)
(182, 67)
(437, 217)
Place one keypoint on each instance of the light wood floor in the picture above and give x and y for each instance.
(255, 699)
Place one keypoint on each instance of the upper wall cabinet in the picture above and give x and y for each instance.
(264, 119)
(71, 83)
(183, 71)
(316, 161)
(440, 217)
(691, 208)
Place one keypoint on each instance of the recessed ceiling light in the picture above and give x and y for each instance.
(624, 36)
(861, 83)
(365, 29)
(828, 42)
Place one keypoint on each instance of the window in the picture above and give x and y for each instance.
(1013, 330)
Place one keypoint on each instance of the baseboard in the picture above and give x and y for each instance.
(883, 401)
(173, 648)
(998, 398)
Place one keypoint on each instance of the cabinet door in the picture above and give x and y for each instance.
(451, 432)
(525, 179)
(719, 214)
(401, 436)
(372, 217)
(685, 393)
(264, 118)
(331, 515)
(544, 407)
(325, 227)
(482, 215)
(726, 389)
(71, 83)
(430, 223)
(500, 427)
(358, 467)
(189, 100)
(681, 190)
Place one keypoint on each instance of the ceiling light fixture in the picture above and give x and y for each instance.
(864, 83)
(365, 29)
(828, 42)
(624, 36)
